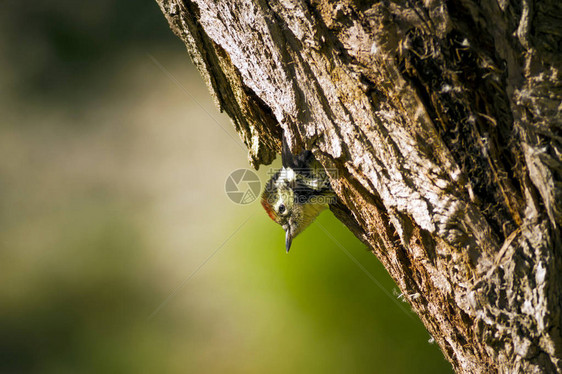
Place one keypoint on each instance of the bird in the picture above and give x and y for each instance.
(297, 193)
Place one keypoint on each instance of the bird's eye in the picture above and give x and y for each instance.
(281, 208)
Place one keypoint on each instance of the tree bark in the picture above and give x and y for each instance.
(440, 125)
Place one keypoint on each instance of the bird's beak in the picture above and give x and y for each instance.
(288, 238)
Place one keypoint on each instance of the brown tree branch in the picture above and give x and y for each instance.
(441, 124)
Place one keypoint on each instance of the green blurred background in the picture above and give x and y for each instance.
(112, 196)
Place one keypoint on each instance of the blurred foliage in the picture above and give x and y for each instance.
(112, 204)
(58, 46)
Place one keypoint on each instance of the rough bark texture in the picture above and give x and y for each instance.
(440, 122)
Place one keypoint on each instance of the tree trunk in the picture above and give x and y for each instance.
(440, 125)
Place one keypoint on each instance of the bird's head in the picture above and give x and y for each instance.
(287, 209)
